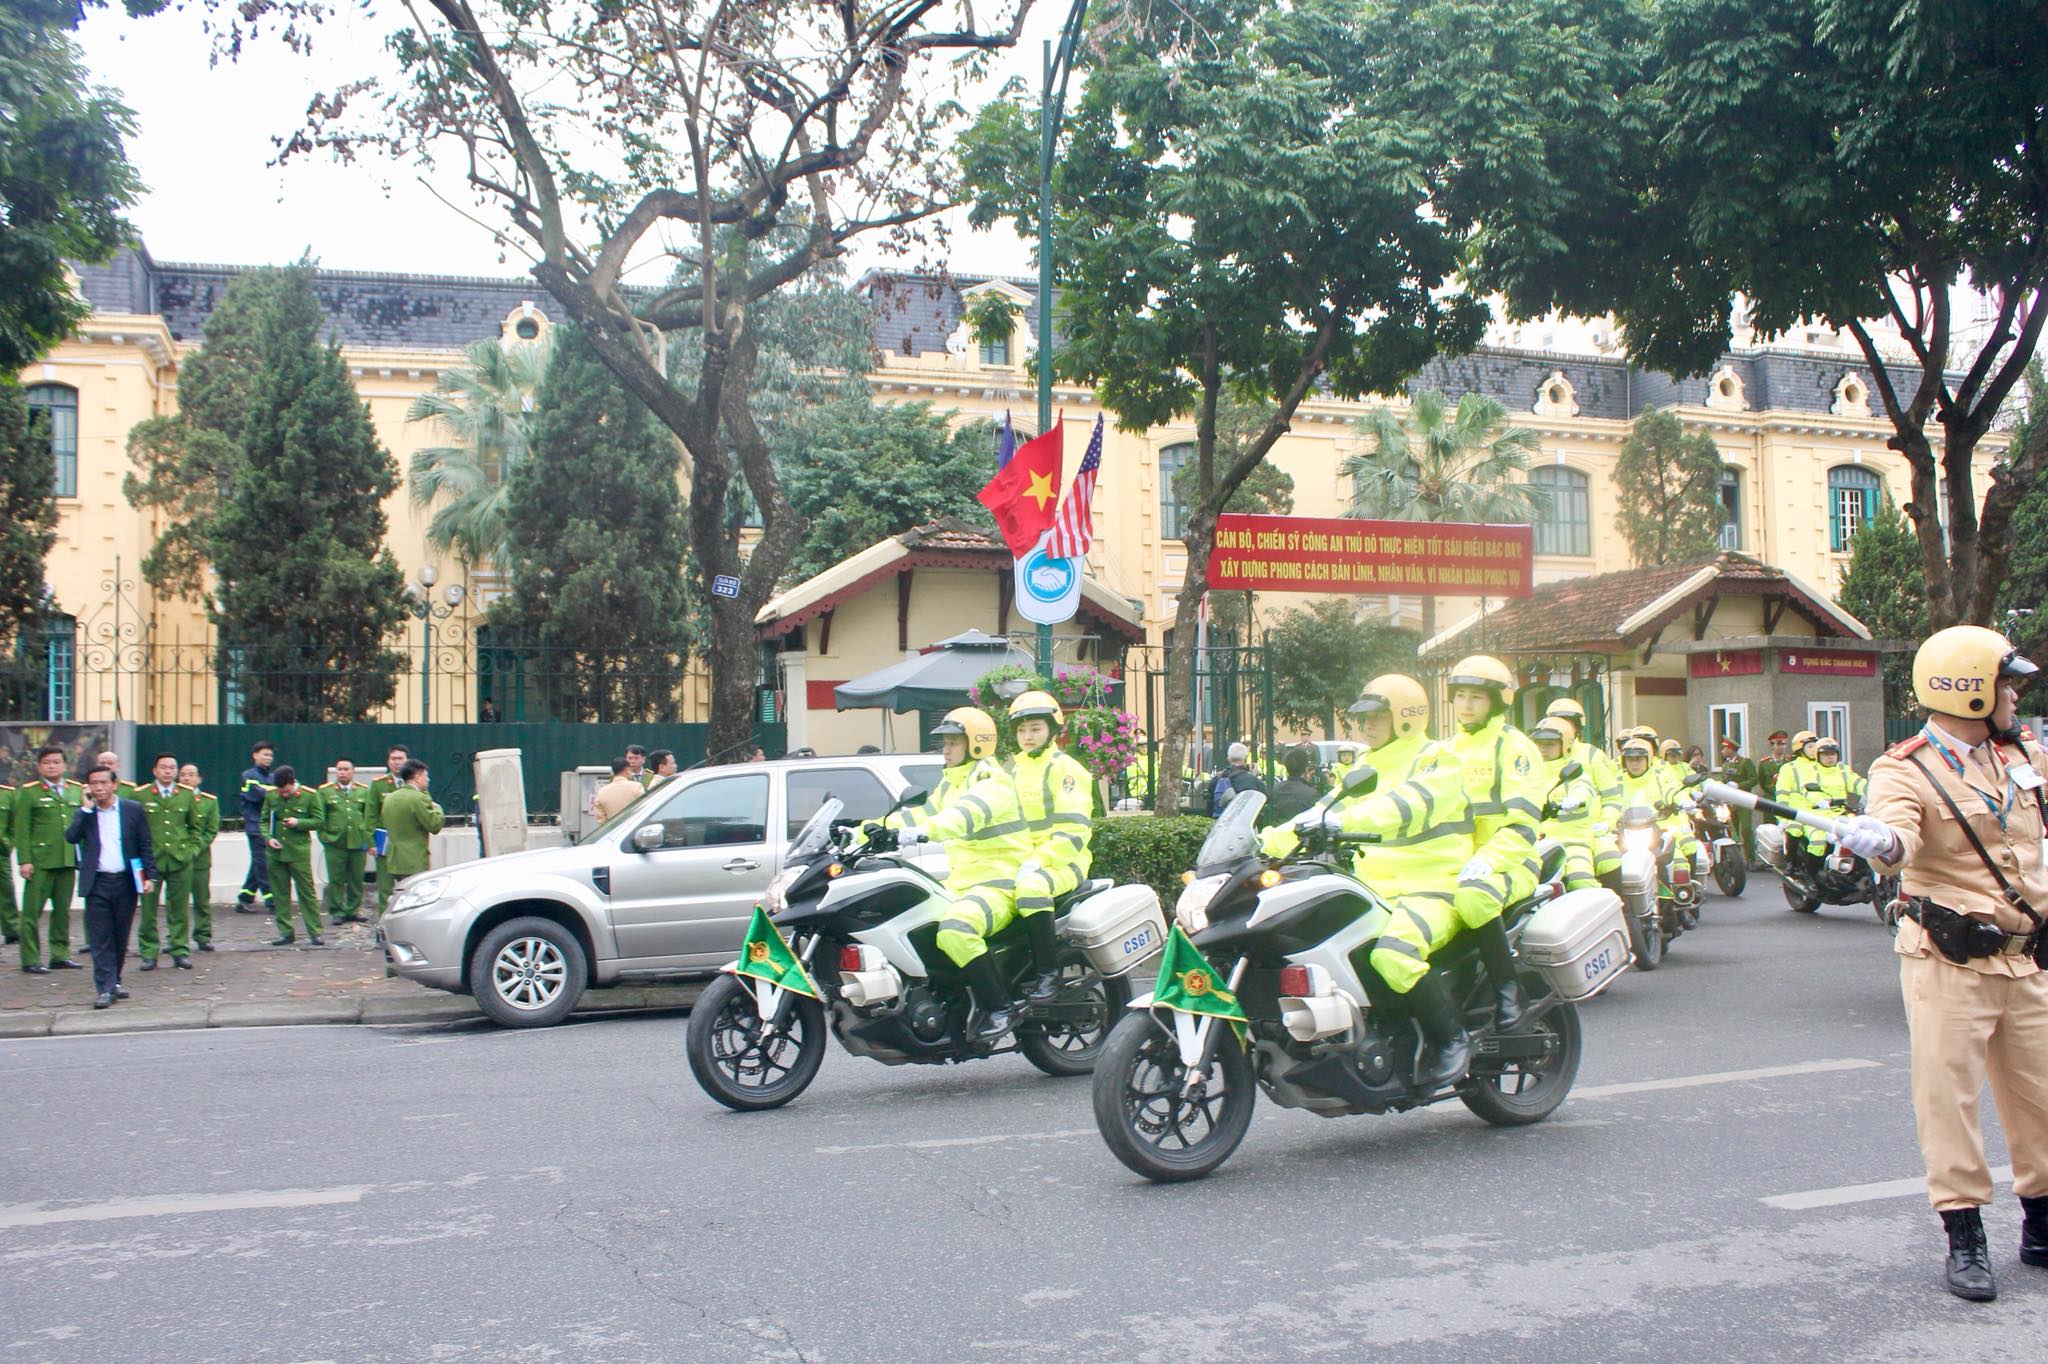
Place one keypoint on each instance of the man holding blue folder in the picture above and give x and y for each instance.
(116, 865)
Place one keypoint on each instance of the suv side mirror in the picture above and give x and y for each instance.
(1360, 781)
(648, 838)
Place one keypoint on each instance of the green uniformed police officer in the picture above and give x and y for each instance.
(292, 814)
(205, 828)
(380, 791)
(411, 819)
(10, 912)
(351, 816)
(1740, 773)
(174, 835)
(42, 811)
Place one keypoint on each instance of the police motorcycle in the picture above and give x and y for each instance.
(1842, 878)
(1284, 941)
(861, 919)
(1713, 824)
(1656, 884)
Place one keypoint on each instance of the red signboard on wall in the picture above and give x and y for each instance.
(1328, 554)
(1728, 663)
(1828, 664)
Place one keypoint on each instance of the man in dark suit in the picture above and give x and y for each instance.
(116, 864)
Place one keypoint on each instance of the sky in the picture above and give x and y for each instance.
(204, 147)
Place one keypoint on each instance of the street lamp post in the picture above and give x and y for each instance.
(1059, 65)
(424, 609)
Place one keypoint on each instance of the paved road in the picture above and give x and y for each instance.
(458, 1193)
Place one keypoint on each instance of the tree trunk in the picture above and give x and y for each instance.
(1180, 673)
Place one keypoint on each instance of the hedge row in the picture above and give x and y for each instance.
(1150, 850)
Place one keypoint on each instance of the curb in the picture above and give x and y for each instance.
(429, 1007)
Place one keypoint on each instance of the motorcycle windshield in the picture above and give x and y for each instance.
(812, 838)
(1234, 837)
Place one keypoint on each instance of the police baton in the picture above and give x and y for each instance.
(1750, 800)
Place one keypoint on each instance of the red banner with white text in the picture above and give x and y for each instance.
(1329, 554)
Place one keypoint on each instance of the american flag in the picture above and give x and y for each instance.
(1073, 529)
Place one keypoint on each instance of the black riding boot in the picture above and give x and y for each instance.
(1443, 1024)
(1045, 957)
(1500, 965)
(1969, 1258)
(991, 1019)
(2034, 1232)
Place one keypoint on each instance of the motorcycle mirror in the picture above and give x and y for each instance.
(1360, 781)
(1571, 772)
(1695, 779)
(911, 799)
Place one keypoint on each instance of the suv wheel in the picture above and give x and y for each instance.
(528, 973)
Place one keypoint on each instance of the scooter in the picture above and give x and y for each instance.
(1842, 877)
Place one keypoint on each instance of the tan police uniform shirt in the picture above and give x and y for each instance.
(615, 795)
(1938, 862)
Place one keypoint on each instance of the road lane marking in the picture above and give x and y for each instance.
(942, 1143)
(1724, 1077)
(37, 1216)
(1865, 1193)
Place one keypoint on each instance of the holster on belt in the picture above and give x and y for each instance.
(1961, 937)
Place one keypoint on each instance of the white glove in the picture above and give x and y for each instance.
(1029, 868)
(1867, 836)
(1478, 869)
(910, 837)
(1318, 817)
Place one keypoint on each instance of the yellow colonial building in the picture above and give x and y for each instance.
(1805, 450)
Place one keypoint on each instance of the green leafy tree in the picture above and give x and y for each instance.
(594, 522)
(1856, 161)
(859, 472)
(2023, 602)
(28, 515)
(308, 597)
(1438, 463)
(486, 403)
(64, 174)
(186, 462)
(1668, 484)
(754, 141)
(1884, 588)
(1324, 653)
(1238, 215)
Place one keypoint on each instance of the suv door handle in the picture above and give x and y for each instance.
(740, 864)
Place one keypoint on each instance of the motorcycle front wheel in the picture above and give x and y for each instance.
(1526, 1091)
(1646, 939)
(732, 1061)
(1146, 1118)
(1731, 873)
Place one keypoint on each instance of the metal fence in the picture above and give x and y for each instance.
(433, 672)
(1233, 703)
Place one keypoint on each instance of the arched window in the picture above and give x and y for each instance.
(1852, 500)
(1172, 514)
(1566, 525)
(60, 405)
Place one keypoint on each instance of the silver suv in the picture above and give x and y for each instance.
(664, 888)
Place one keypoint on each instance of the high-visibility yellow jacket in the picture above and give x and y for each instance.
(1577, 811)
(1652, 789)
(1504, 783)
(953, 783)
(1056, 795)
(984, 832)
(1836, 784)
(1424, 820)
(1601, 770)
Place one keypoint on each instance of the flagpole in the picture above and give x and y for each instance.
(1052, 104)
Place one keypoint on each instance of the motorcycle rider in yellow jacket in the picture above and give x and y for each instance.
(1057, 797)
(1838, 783)
(1573, 814)
(967, 743)
(1504, 784)
(1645, 782)
(1600, 769)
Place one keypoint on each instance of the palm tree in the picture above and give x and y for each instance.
(487, 402)
(1443, 464)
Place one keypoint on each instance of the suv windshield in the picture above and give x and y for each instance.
(811, 839)
(1234, 836)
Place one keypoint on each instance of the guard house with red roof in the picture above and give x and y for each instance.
(1726, 645)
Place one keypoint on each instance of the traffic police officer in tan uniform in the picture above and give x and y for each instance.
(1957, 811)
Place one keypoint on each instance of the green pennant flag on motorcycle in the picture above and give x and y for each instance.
(765, 956)
(1190, 985)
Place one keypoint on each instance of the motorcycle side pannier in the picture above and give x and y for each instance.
(1770, 844)
(1120, 929)
(1579, 941)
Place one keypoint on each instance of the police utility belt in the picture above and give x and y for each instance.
(1960, 937)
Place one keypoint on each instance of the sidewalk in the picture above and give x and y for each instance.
(244, 982)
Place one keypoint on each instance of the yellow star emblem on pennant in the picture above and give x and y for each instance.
(1040, 490)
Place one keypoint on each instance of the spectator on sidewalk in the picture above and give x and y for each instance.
(488, 714)
(255, 897)
(49, 864)
(395, 760)
(411, 819)
(206, 828)
(117, 863)
(1293, 794)
(636, 765)
(615, 795)
(351, 816)
(662, 763)
(292, 814)
(1236, 776)
(172, 812)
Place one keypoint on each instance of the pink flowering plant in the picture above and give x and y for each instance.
(1103, 739)
(1077, 688)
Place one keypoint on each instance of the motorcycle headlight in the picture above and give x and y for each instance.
(1722, 814)
(777, 898)
(1640, 840)
(1191, 910)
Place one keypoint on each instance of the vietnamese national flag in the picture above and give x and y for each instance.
(1024, 495)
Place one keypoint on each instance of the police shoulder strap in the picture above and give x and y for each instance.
(2012, 897)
